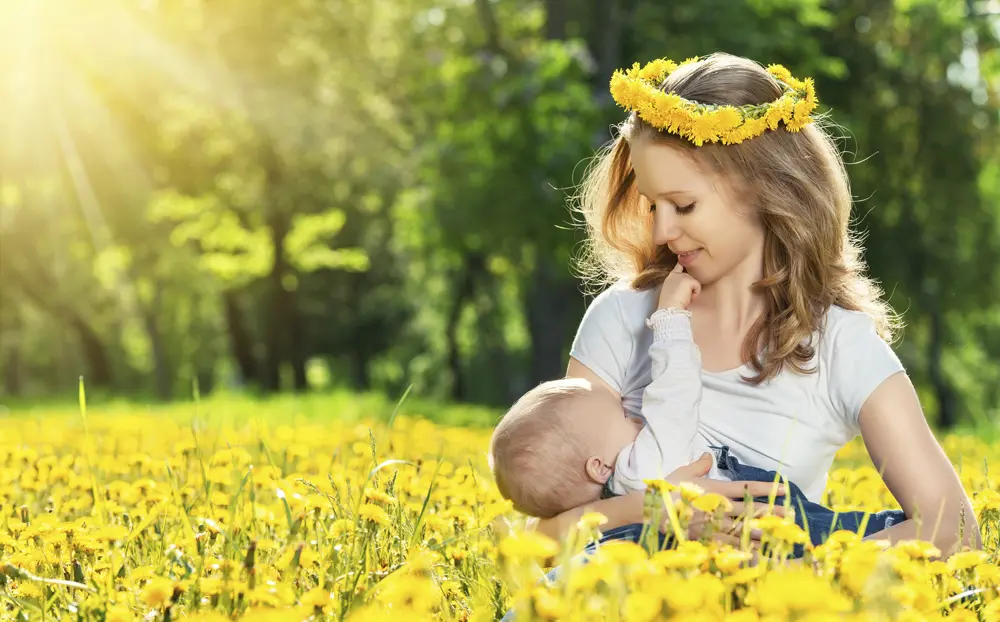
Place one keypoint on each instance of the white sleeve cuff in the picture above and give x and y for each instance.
(671, 324)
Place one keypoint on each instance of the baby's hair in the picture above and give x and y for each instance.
(535, 452)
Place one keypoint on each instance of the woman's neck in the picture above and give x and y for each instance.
(732, 299)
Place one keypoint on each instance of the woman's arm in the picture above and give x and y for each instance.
(916, 470)
(624, 510)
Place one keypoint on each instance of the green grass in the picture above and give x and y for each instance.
(339, 404)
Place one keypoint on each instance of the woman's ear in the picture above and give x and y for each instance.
(597, 470)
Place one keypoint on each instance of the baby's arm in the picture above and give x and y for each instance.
(670, 405)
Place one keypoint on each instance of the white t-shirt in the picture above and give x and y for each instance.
(793, 424)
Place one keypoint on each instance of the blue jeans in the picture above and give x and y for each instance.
(818, 521)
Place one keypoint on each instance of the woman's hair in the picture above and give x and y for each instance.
(797, 182)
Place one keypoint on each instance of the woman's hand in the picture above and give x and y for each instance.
(695, 473)
(731, 526)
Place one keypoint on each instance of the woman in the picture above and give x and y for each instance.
(793, 335)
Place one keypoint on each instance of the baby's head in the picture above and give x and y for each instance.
(557, 445)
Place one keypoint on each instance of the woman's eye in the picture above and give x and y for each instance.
(685, 209)
(652, 207)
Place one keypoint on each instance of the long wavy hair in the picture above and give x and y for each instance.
(799, 186)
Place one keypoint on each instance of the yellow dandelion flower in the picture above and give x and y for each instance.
(374, 514)
(687, 555)
(548, 606)
(966, 560)
(591, 520)
(917, 549)
(702, 128)
(528, 545)
(729, 560)
(779, 72)
(379, 496)
(317, 598)
(119, 613)
(621, 553)
(158, 591)
(988, 575)
(642, 607)
(341, 526)
(656, 70)
(711, 502)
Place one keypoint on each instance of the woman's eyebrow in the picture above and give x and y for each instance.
(668, 193)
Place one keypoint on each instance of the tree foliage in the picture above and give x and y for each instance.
(239, 193)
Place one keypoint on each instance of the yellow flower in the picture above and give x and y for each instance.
(728, 559)
(779, 72)
(711, 502)
(656, 70)
(119, 613)
(638, 89)
(341, 526)
(374, 514)
(966, 560)
(591, 520)
(642, 607)
(686, 555)
(158, 591)
(316, 598)
(528, 545)
(548, 605)
(797, 592)
(379, 496)
(917, 549)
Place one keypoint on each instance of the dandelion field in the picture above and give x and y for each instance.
(226, 510)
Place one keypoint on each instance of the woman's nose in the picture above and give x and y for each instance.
(665, 229)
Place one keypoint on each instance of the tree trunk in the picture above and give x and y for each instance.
(360, 351)
(296, 339)
(12, 372)
(274, 331)
(285, 343)
(240, 339)
(550, 302)
(947, 407)
(488, 21)
(556, 14)
(475, 264)
(161, 367)
(94, 352)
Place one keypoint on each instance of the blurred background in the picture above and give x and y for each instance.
(306, 195)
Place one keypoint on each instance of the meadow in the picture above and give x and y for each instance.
(346, 507)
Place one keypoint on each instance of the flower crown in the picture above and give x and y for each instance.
(638, 89)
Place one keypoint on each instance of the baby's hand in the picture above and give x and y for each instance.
(678, 289)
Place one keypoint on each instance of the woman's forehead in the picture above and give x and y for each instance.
(662, 171)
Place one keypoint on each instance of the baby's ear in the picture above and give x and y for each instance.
(597, 470)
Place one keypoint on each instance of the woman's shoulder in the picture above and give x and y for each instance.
(622, 303)
(610, 331)
(841, 325)
(856, 357)
(851, 338)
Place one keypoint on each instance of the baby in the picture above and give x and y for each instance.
(567, 443)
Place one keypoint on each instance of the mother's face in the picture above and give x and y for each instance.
(713, 231)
